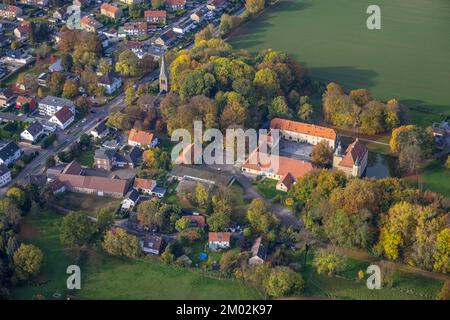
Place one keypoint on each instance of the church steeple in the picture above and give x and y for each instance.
(163, 77)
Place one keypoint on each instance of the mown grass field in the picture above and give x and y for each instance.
(437, 178)
(106, 277)
(407, 59)
(267, 188)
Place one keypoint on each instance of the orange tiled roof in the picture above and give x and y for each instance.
(109, 8)
(278, 165)
(305, 128)
(219, 236)
(144, 183)
(354, 151)
(139, 136)
(155, 14)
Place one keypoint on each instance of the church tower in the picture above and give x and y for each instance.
(163, 77)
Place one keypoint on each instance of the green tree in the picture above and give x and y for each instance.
(441, 254)
(266, 83)
(56, 84)
(128, 64)
(255, 6)
(70, 89)
(119, 243)
(76, 229)
(228, 262)
(305, 112)
(27, 260)
(283, 281)
(322, 154)
(201, 195)
(279, 108)
(259, 217)
(182, 224)
(105, 220)
(167, 256)
(328, 262)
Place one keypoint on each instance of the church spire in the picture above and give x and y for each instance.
(163, 77)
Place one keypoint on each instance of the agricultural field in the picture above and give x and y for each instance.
(399, 61)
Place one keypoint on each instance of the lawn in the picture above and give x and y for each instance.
(267, 189)
(86, 158)
(86, 202)
(106, 277)
(437, 178)
(406, 285)
(42, 231)
(332, 40)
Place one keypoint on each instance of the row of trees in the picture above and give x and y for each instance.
(18, 261)
(359, 110)
(213, 83)
(383, 216)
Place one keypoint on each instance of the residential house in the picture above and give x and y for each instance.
(111, 33)
(9, 153)
(7, 98)
(304, 132)
(56, 66)
(74, 180)
(63, 118)
(184, 27)
(100, 131)
(60, 14)
(105, 159)
(25, 103)
(131, 1)
(196, 221)
(22, 30)
(135, 29)
(219, 240)
(441, 133)
(50, 105)
(175, 5)
(166, 39)
(9, 11)
(144, 185)
(110, 81)
(215, 5)
(152, 243)
(38, 3)
(17, 56)
(56, 186)
(33, 132)
(198, 16)
(353, 161)
(258, 252)
(110, 11)
(5, 175)
(282, 169)
(147, 101)
(143, 139)
(155, 16)
(89, 24)
(131, 199)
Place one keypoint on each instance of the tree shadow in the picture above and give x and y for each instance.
(346, 76)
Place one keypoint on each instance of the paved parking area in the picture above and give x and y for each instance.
(296, 150)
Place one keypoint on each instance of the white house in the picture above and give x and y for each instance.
(100, 131)
(110, 82)
(9, 153)
(143, 139)
(63, 118)
(33, 132)
(5, 175)
(219, 240)
(50, 105)
(131, 200)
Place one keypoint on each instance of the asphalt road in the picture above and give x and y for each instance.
(37, 166)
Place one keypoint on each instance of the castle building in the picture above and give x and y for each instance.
(353, 161)
(163, 77)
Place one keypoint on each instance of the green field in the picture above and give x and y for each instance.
(267, 188)
(407, 59)
(437, 178)
(106, 277)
